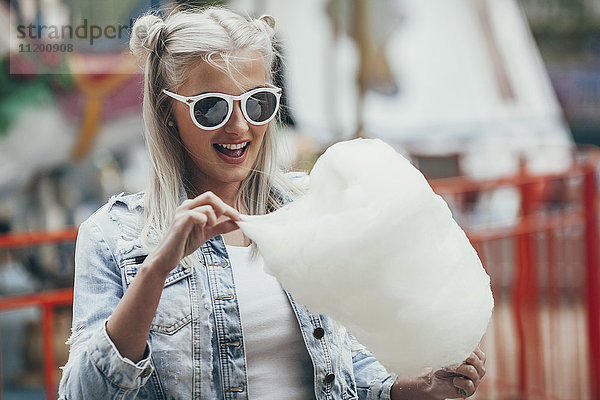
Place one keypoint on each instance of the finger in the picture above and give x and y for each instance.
(219, 205)
(468, 371)
(198, 219)
(480, 354)
(223, 227)
(207, 198)
(476, 362)
(465, 387)
(209, 212)
(445, 373)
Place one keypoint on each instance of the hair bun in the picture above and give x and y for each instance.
(269, 20)
(145, 36)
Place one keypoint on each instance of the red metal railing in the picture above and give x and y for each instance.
(26, 239)
(47, 300)
(544, 270)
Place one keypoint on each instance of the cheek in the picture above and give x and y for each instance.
(195, 140)
(182, 117)
(196, 143)
(259, 136)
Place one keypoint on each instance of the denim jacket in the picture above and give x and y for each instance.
(195, 349)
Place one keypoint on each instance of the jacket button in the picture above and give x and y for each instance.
(147, 371)
(330, 377)
(319, 332)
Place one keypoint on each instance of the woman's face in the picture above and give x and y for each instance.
(208, 162)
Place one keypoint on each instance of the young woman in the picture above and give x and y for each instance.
(168, 304)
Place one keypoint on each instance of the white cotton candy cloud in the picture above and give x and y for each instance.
(372, 246)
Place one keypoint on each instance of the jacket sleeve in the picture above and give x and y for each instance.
(95, 369)
(372, 379)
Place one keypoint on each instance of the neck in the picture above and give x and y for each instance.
(226, 191)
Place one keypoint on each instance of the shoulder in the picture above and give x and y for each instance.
(288, 188)
(118, 206)
(299, 178)
(117, 221)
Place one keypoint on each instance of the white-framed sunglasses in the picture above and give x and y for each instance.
(211, 111)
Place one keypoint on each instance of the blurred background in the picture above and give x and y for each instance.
(497, 102)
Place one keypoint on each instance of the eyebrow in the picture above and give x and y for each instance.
(257, 87)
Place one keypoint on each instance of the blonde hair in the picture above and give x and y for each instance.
(169, 47)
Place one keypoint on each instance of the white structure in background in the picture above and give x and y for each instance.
(470, 75)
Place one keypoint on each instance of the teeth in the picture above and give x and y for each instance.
(233, 146)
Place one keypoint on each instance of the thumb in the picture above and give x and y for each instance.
(223, 227)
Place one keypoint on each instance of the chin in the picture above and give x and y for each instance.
(236, 176)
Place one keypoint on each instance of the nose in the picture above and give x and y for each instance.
(237, 122)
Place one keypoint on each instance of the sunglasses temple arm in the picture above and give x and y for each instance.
(176, 96)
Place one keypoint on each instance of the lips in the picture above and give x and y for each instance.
(233, 153)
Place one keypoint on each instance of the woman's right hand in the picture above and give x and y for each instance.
(196, 221)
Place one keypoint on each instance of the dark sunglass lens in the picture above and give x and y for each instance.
(210, 111)
(261, 106)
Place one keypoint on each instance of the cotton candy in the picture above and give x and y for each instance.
(372, 246)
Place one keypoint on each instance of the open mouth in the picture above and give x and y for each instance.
(232, 150)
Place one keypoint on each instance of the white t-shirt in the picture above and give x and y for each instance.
(277, 362)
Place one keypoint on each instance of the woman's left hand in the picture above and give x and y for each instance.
(470, 373)
(462, 382)
(448, 383)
